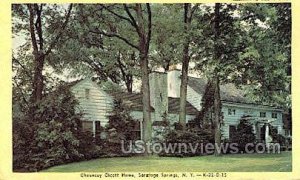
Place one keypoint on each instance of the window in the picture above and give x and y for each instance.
(262, 114)
(97, 128)
(274, 115)
(87, 93)
(87, 126)
(232, 131)
(135, 133)
(231, 111)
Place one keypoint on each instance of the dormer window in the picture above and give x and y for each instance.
(262, 114)
(87, 93)
(274, 115)
(231, 111)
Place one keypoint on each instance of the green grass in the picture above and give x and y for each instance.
(230, 163)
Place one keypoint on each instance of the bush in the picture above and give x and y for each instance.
(120, 128)
(190, 138)
(277, 138)
(244, 134)
(48, 133)
(160, 129)
(89, 146)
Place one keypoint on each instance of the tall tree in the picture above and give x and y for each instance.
(236, 52)
(144, 43)
(216, 81)
(188, 12)
(222, 42)
(40, 53)
(266, 69)
(131, 25)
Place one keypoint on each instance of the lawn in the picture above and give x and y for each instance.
(231, 163)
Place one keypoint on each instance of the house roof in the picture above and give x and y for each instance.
(174, 105)
(228, 92)
(135, 100)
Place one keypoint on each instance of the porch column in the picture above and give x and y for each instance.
(257, 130)
(94, 128)
(267, 136)
(141, 127)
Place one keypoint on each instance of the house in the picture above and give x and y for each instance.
(165, 95)
(234, 105)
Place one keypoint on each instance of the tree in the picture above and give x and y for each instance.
(144, 42)
(236, 52)
(266, 69)
(37, 17)
(137, 35)
(216, 80)
(188, 12)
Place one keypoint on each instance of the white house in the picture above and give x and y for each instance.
(165, 95)
(234, 104)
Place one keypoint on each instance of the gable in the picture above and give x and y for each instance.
(97, 105)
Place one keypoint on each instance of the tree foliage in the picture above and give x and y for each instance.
(43, 31)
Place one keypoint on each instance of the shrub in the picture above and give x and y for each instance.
(89, 146)
(49, 134)
(160, 129)
(190, 137)
(120, 128)
(277, 138)
(244, 134)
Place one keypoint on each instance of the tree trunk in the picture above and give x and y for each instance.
(38, 84)
(147, 125)
(185, 65)
(217, 114)
(39, 56)
(129, 84)
(126, 75)
(217, 98)
(143, 50)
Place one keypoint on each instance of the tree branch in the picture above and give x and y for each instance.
(32, 29)
(132, 18)
(121, 65)
(120, 16)
(38, 24)
(26, 70)
(149, 25)
(53, 43)
(21, 92)
(115, 35)
(194, 8)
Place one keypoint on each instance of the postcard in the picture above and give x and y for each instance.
(149, 90)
